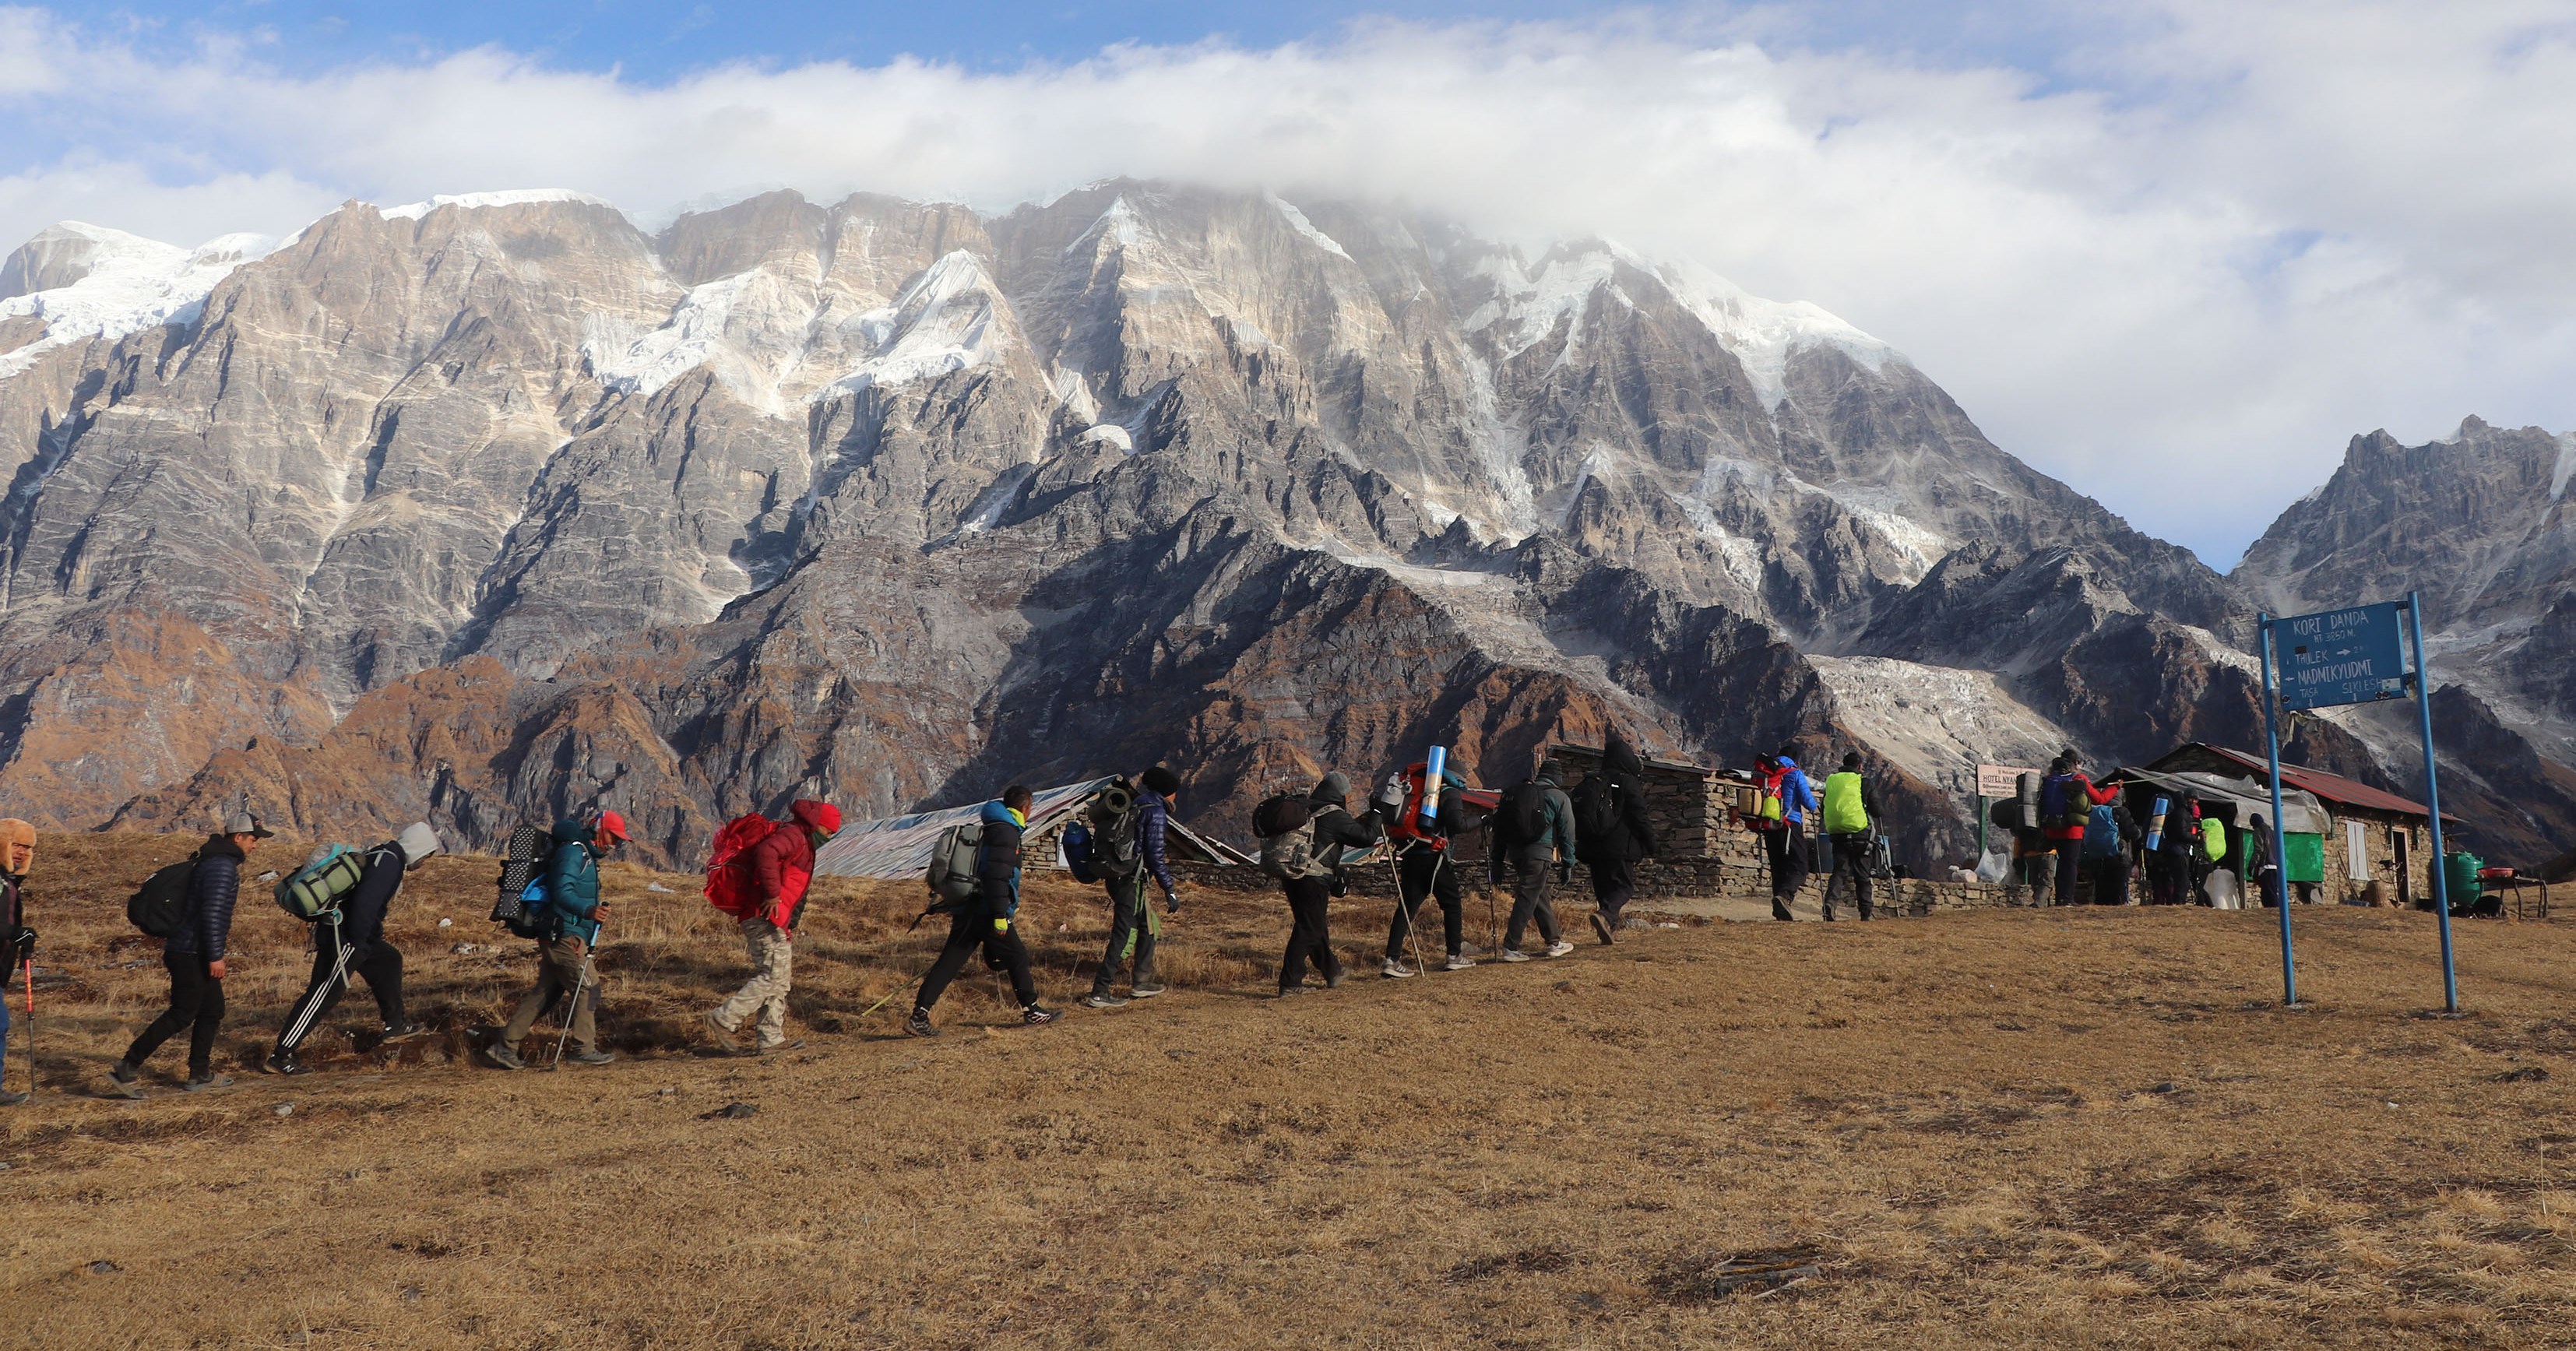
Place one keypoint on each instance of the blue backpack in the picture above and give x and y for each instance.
(2102, 833)
(1077, 853)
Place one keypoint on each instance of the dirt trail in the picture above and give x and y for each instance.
(2040, 1128)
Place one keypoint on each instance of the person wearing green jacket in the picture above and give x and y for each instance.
(1850, 817)
(574, 910)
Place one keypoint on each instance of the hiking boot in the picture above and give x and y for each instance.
(1829, 914)
(1333, 979)
(284, 1062)
(1287, 990)
(1559, 948)
(1102, 999)
(589, 1055)
(918, 1025)
(726, 1042)
(1145, 989)
(788, 1044)
(1514, 955)
(124, 1081)
(13, 1098)
(1395, 969)
(402, 1032)
(208, 1081)
(1459, 961)
(1035, 1016)
(506, 1057)
(1601, 926)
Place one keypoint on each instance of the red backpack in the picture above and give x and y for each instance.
(728, 889)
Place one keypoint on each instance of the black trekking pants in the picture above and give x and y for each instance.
(1310, 931)
(968, 930)
(1529, 899)
(2168, 877)
(1788, 846)
(1851, 861)
(2110, 879)
(1426, 874)
(1614, 881)
(381, 965)
(196, 1003)
(1128, 920)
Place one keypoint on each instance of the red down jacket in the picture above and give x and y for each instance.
(781, 865)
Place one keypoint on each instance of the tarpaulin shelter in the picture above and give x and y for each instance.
(899, 846)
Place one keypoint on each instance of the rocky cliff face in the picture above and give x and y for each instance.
(496, 507)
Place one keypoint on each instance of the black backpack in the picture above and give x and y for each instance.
(1596, 814)
(1113, 831)
(1523, 814)
(512, 907)
(160, 905)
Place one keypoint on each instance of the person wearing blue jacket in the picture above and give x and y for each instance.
(1131, 919)
(989, 919)
(574, 910)
(1789, 862)
(194, 953)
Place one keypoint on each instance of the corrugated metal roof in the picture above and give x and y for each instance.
(2331, 787)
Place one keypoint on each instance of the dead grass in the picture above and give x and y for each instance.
(2051, 1128)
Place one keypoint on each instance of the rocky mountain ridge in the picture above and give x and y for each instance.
(496, 506)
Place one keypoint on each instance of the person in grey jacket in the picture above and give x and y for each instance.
(194, 954)
(1530, 860)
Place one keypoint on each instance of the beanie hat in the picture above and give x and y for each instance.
(1162, 781)
(1333, 787)
(417, 842)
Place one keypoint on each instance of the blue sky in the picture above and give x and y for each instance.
(2174, 252)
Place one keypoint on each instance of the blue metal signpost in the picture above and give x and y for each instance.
(2353, 656)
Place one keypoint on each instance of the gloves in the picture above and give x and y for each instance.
(1171, 902)
(24, 941)
(1001, 924)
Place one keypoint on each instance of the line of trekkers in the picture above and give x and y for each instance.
(760, 871)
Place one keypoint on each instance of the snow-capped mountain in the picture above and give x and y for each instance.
(494, 505)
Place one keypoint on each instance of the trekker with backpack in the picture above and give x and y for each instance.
(17, 855)
(2066, 803)
(1305, 854)
(351, 940)
(1850, 819)
(568, 936)
(194, 954)
(1533, 834)
(766, 882)
(1790, 862)
(2110, 835)
(1130, 845)
(988, 919)
(1425, 871)
(1612, 828)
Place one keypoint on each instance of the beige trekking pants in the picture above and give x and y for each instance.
(773, 954)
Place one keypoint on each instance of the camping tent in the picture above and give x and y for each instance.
(899, 846)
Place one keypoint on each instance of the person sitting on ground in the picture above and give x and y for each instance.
(988, 919)
(1850, 820)
(780, 869)
(194, 955)
(356, 945)
(17, 855)
(1132, 926)
(1310, 898)
(1614, 832)
(1533, 835)
(564, 966)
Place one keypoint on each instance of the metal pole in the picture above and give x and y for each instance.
(2433, 803)
(2272, 741)
(1981, 830)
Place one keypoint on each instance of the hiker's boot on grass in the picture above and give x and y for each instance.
(918, 1025)
(504, 1056)
(1601, 926)
(1459, 961)
(1102, 999)
(1514, 955)
(124, 1081)
(208, 1081)
(1333, 979)
(397, 1033)
(785, 1044)
(1559, 948)
(725, 1041)
(589, 1055)
(1037, 1016)
(284, 1062)
(1145, 988)
(1395, 969)
(1287, 990)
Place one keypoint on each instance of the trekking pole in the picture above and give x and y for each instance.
(914, 983)
(30, 967)
(1404, 908)
(572, 1011)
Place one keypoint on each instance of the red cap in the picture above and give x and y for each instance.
(615, 825)
(822, 816)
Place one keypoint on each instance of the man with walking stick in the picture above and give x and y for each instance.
(573, 914)
(17, 855)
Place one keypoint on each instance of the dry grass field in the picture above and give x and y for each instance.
(2013, 1128)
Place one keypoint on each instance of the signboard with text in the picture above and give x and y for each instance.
(2000, 780)
(2340, 656)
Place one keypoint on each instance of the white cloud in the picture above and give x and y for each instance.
(2178, 274)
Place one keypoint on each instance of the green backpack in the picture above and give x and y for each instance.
(315, 890)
